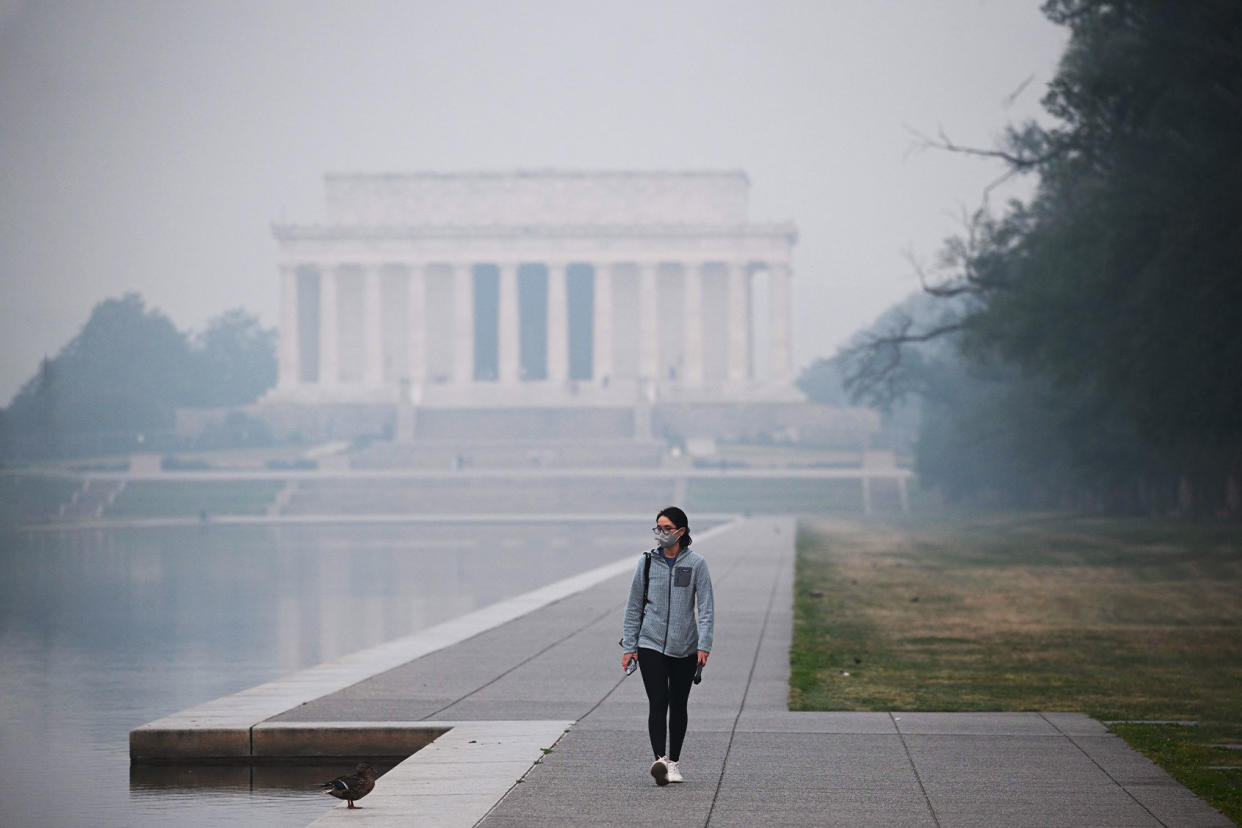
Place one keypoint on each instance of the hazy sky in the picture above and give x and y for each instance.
(148, 146)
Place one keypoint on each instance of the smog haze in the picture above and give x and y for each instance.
(149, 146)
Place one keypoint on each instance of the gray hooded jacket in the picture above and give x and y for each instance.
(673, 595)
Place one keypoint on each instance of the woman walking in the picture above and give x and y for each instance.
(662, 632)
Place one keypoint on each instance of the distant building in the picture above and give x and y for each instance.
(624, 312)
(538, 288)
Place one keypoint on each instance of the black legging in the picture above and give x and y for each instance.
(667, 680)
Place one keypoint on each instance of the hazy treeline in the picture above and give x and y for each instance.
(1094, 329)
(127, 372)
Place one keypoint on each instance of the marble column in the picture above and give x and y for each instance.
(290, 336)
(329, 327)
(781, 335)
(372, 330)
(558, 323)
(648, 309)
(509, 330)
(692, 325)
(601, 366)
(739, 322)
(416, 324)
(463, 323)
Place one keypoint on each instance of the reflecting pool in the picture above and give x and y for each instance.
(103, 631)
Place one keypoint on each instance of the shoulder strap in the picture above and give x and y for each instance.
(642, 612)
(646, 582)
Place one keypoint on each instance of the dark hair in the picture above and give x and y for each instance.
(679, 519)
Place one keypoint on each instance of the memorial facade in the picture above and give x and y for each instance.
(533, 288)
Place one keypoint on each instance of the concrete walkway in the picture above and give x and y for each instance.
(747, 759)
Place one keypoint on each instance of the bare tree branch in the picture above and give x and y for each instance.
(874, 361)
(1013, 96)
(987, 191)
(875, 358)
(945, 289)
(904, 337)
(1019, 161)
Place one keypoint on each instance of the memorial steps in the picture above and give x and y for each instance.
(26, 498)
(534, 424)
(503, 331)
(481, 495)
(490, 494)
(510, 454)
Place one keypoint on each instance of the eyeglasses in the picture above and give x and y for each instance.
(659, 529)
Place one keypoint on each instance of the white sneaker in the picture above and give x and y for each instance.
(659, 771)
(674, 772)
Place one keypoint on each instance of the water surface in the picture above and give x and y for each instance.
(103, 631)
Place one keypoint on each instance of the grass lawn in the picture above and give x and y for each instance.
(758, 495)
(186, 498)
(245, 458)
(1120, 619)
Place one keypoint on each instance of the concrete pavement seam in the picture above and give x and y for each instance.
(722, 578)
(724, 765)
(593, 622)
(608, 695)
(495, 679)
(913, 767)
(1103, 770)
(519, 780)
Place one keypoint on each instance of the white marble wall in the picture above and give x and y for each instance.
(551, 198)
(677, 324)
(383, 294)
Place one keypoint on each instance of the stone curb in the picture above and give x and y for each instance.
(222, 729)
(456, 779)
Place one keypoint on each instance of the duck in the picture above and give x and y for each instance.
(352, 787)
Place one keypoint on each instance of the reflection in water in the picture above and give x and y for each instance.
(285, 793)
(280, 777)
(103, 631)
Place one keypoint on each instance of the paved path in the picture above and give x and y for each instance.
(747, 759)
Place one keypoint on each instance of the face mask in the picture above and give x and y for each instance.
(667, 539)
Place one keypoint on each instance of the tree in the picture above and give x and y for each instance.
(823, 382)
(1115, 291)
(234, 360)
(127, 372)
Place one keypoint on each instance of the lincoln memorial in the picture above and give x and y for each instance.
(535, 288)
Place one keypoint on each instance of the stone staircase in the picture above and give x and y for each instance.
(480, 495)
(518, 424)
(438, 455)
(92, 499)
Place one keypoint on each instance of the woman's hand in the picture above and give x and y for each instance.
(703, 654)
(626, 658)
